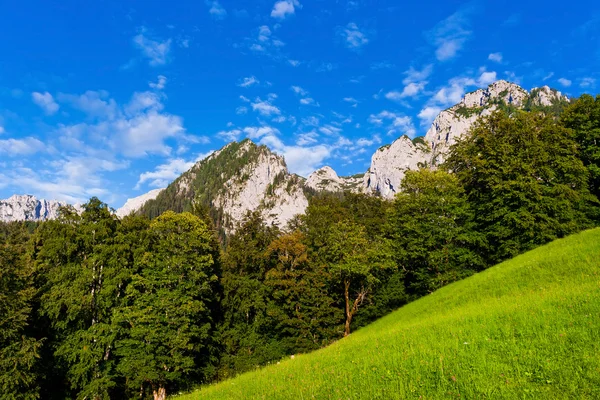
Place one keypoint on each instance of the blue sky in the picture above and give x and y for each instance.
(114, 98)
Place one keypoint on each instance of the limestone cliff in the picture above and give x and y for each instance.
(28, 208)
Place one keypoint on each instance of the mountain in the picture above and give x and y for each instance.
(28, 208)
(244, 176)
(240, 177)
(134, 204)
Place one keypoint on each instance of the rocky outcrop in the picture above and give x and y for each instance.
(28, 208)
(546, 97)
(134, 204)
(390, 163)
(325, 179)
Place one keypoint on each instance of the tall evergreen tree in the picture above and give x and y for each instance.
(19, 351)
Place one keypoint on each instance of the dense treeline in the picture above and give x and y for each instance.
(94, 307)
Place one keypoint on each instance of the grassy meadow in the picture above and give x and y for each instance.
(528, 328)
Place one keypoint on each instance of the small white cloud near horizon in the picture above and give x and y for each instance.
(565, 82)
(284, 8)
(496, 57)
(46, 102)
(583, 82)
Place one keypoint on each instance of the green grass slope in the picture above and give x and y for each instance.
(528, 328)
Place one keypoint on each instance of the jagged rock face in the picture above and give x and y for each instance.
(456, 121)
(28, 208)
(545, 96)
(240, 177)
(134, 204)
(390, 163)
(261, 185)
(326, 179)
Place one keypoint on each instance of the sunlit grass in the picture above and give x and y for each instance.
(528, 328)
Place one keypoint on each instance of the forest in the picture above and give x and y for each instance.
(97, 307)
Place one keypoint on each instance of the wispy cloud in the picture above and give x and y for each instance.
(395, 123)
(156, 51)
(165, 173)
(450, 35)
(565, 82)
(353, 37)
(265, 107)
(45, 101)
(21, 147)
(587, 82)
(284, 8)
(248, 81)
(496, 57)
(216, 9)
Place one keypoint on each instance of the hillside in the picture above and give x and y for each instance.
(526, 328)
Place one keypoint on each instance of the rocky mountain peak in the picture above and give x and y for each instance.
(28, 208)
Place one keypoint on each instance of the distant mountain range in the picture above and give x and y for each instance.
(244, 176)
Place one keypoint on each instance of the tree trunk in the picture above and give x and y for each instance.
(160, 394)
(349, 312)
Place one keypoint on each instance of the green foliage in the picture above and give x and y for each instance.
(354, 263)
(166, 316)
(19, 351)
(467, 112)
(525, 329)
(523, 179)
(583, 117)
(432, 235)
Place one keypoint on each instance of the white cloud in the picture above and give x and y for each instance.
(96, 104)
(298, 90)
(21, 147)
(351, 100)
(156, 51)
(254, 132)
(496, 57)
(249, 81)
(486, 78)
(330, 130)
(414, 75)
(584, 83)
(307, 101)
(160, 84)
(301, 160)
(265, 108)
(550, 75)
(241, 110)
(307, 138)
(285, 8)
(45, 101)
(428, 114)
(165, 173)
(294, 63)
(449, 35)
(216, 9)
(395, 123)
(353, 37)
(565, 82)
(230, 135)
(410, 90)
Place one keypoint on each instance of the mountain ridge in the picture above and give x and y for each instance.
(245, 176)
